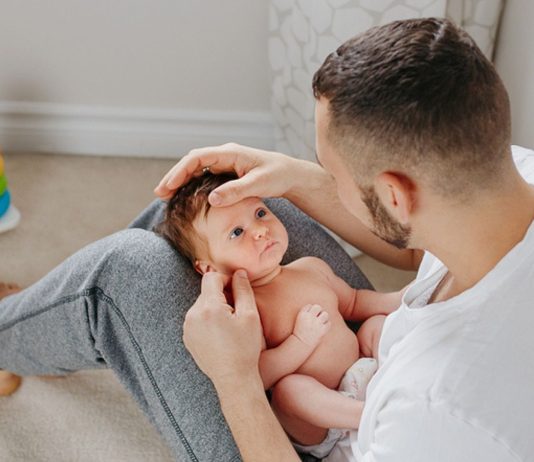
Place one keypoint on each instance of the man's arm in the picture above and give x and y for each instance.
(271, 174)
(226, 343)
(256, 430)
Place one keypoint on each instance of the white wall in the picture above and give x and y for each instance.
(157, 77)
(97, 65)
(514, 60)
(208, 54)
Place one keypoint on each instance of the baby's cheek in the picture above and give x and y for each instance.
(239, 263)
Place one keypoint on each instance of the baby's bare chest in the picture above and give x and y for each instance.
(280, 302)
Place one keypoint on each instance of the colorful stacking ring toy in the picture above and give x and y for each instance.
(3, 184)
(9, 215)
(5, 202)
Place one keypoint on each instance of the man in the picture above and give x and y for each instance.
(413, 131)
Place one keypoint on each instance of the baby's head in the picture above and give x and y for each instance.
(245, 235)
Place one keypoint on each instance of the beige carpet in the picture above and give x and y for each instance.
(67, 202)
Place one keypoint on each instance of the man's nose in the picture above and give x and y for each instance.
(260, 232)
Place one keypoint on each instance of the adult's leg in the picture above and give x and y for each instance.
(117, 303)
(120, 303)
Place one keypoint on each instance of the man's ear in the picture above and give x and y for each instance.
(202, 266)
(397, 192)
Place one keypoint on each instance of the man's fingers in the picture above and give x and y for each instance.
(217, 158)
(180, 174)
(244, 300)
(212, 287)
(233, 191)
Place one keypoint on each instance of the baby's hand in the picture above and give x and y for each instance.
(311, 325)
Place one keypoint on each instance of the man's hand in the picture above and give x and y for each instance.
(271, 174)
(261, 173)
(224, 341)
(311, 325)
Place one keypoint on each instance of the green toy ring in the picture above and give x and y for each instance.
(3, 184)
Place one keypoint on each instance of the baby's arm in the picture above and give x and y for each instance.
(358, 304)
(311, 325)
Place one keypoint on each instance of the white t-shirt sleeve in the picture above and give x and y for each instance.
(524, 160)
(416, 430)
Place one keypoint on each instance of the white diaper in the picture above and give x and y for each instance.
(353, 384)
(321, 450)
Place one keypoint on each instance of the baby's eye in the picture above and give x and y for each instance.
(261, 213)
(236, 233)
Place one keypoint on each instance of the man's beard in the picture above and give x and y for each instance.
(384, 225)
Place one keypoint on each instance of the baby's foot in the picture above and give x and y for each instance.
(357, 377)
(8, 288)
(8, 382)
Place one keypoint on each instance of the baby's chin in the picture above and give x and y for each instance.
(265, 271)
(264, 266)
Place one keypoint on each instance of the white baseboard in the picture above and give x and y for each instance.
(57, 128)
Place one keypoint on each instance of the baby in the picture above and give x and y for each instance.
(308, 349)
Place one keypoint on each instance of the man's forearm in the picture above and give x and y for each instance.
(316, 194)
(257, 432)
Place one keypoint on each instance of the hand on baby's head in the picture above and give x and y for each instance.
(243, 235)
(187, 203)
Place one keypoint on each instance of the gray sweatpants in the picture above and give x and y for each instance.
(120, 303)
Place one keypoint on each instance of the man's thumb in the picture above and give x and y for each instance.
(233, 191)
(243, 294)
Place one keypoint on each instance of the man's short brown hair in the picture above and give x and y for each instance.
(184, 208)
(418, 95)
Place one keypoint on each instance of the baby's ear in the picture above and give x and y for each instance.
(202, 266)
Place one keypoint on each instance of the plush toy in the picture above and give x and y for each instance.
(9, 215)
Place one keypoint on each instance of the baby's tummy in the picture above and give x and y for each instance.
(337, 351)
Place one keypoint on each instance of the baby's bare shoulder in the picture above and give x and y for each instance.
(313, 264)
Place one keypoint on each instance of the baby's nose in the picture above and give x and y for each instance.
(260, 232)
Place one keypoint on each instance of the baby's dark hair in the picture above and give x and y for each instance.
(185, 206)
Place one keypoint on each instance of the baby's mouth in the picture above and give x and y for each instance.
(269, 245)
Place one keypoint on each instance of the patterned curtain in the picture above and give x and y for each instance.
(304, 32)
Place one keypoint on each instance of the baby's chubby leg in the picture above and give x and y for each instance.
(307, 409)
(369, 336)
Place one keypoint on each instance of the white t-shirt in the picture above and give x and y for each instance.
(456, 378)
